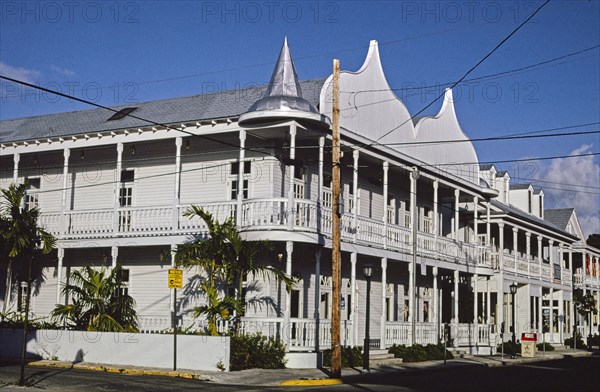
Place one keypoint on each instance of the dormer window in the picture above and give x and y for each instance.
(122, 113)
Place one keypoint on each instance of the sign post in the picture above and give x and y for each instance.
(175, 282)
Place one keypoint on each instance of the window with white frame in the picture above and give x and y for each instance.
(233, 179)
(123, 278)
(127, 180)
(299, 182)
(350, 197)
(32, 193)
(326, 197)
(391, 209)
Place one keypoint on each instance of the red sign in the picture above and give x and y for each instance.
(531, 337)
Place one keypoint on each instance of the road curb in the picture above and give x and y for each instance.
(312, 383)
(121, 370)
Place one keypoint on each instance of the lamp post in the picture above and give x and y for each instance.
(513, 291)
(367, 273)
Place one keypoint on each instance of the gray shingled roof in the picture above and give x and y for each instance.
(559, 217)
(224, 104)
(519, 186)
(487, 166)
(514, 211)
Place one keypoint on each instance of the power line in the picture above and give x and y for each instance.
(132, 115)
(483, 139)
(470, 70)
(495, 75)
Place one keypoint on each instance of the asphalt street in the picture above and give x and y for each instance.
(569, 374)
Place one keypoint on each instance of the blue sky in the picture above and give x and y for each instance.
(115, 52)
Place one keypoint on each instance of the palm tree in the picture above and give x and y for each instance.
(22, 239)
(225, 258)
(98, 302)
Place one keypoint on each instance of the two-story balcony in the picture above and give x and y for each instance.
(258, 214)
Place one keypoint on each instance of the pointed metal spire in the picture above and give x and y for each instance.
(283, 97)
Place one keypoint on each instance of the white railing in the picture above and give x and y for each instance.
(485, 256)
(271, 213)
(473, 334)
(546, 272)
(522, 266)
(51, 222)
(264, 213)
(400, 332)
(89, 222)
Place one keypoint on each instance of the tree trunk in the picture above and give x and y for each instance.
(8, 285)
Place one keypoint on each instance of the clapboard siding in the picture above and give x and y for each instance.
(92, 180)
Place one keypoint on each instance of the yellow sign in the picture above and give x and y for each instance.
(175, 278)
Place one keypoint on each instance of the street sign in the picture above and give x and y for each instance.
(175, 278)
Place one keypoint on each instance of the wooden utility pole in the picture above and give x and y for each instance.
(336, 256)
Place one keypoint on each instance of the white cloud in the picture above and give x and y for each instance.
(25, 74)
(63, 71)
(564, 174)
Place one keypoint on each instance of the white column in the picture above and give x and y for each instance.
(291, 208)
(114, 253)
(411, 299)
(528, 250)
(456, 215)
(320, 189)
(488, 224)
(240, 178)
(515, 246)
(475, 301)
(488, 302)
(501, 246)
(540, 324)
(173, 294)
(540, 254)
(355, 155)
(63, 208)
(561, 314)
(385, 203)
(383, 302)
(178, 142)
(436, 222)
(551, 315)
(476, 219)
(455, 308)
(434, 305)
(117, 187)
(61, 255)
(317, 316)
(561, 262)
(289, 248)
(354, 308)
(16, 159)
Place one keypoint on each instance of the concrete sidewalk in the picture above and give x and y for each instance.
(307, 377)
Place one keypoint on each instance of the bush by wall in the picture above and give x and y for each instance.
(256, 351)
(351, 357)
(419, 353)
(549, 347)
(580, 343)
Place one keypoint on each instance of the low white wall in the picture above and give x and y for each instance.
(134, 349)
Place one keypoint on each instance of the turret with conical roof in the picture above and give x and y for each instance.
(283, 99)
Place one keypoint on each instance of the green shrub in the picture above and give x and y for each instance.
(351, 357)
(419, 353)
(580, 342)
(509, 348)
(256, 351)
(16, 320)
(549, 347)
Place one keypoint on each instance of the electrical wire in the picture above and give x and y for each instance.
(471, 69)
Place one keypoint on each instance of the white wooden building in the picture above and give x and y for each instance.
(112, 189)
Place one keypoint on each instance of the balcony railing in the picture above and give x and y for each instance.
(274, 214)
